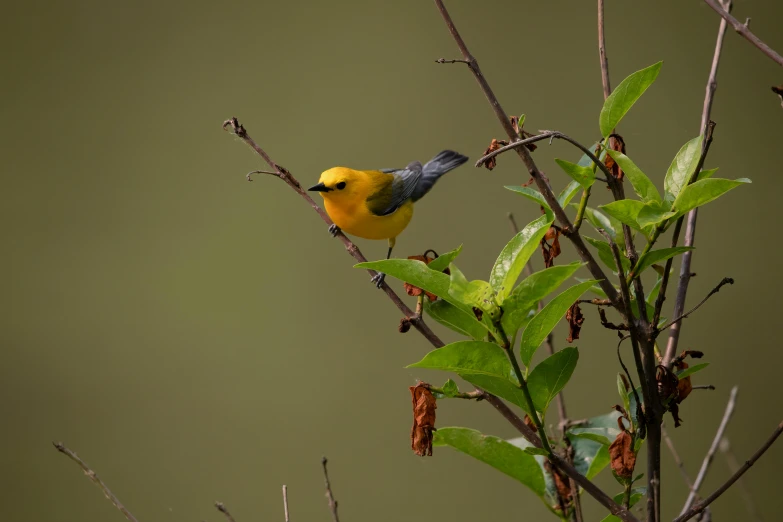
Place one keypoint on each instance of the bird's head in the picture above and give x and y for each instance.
(339, 184)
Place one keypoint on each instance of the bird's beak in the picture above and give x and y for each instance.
(320, 188)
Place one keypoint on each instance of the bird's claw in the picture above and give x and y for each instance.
(334, 230)
(378, 279)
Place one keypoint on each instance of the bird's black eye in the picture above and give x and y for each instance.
(340, 185)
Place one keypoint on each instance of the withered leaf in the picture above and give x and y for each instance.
(778, 90)
(561, 485)
(494, 145)
(424, 406)
(405, 325)
(550, 252)
(684, 386)
(617, 143)
(575, 319)
(529, 423)
(622, 457)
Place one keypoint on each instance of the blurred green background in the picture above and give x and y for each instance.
(197, 337)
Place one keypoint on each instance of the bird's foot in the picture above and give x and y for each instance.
(378, 279)
(334, 230)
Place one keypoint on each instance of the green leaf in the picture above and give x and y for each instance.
(532, 450)
(596, 288)
(413, 272)
(691, 370)
(603, 436)
(636, 495)
(585, 176)
(605, 253)
(682, 168)
(652, 213)
(591, 457)
(471, 294)
(601, 221)
(704, 191)
(571, 190)
(455, 319)
(550, 376)
(656, 256)
(515, 255)
(623, 393)
(450, 388)
(545, 321)
(530, 194)
(624, 96)
(442, 262)
(625, 211)
(525, 297)
(468, 357)
(498, 453)
(704, 174)
(642, 185)
(505, 388)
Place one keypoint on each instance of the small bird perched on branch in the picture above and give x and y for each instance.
(378, 204)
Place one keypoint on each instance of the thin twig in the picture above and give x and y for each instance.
(706, 129)
(240, 131)
(443, 60)
(602, 51)
(705, 465)
(329, 495)
(677, 460)
(745, 31)
(550, 135)
(223, 509)
(731, 462)
(96, 480)
(698, 508)
(285, 502)
(724, 281)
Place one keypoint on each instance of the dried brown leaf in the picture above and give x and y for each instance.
(424, 406)
(494, 145)
(617, 143)
(575, 319)
(529, 423)
(622, 457)
(405, 325)
(550, 252)
(561, 485)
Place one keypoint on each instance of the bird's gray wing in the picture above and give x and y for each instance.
(394, 195)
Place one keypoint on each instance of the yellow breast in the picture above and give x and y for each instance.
(357, 219)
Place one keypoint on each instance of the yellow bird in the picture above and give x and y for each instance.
(378, 204)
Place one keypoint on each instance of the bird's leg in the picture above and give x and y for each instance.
(334, 230)
(379, 278)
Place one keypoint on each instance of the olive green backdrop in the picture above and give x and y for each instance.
(196, 337)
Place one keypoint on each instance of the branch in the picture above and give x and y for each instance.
(724, 281)
(706, 130)
(602, 51)
(239, 130)
(550, 135)
(223, 509)
(543, 186)
(94, 477)
(698, 508)
(705, 465)
(285, 502)
(731, 461)
(329, 495)
(745, 31)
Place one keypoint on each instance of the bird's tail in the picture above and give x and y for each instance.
(436, 167)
